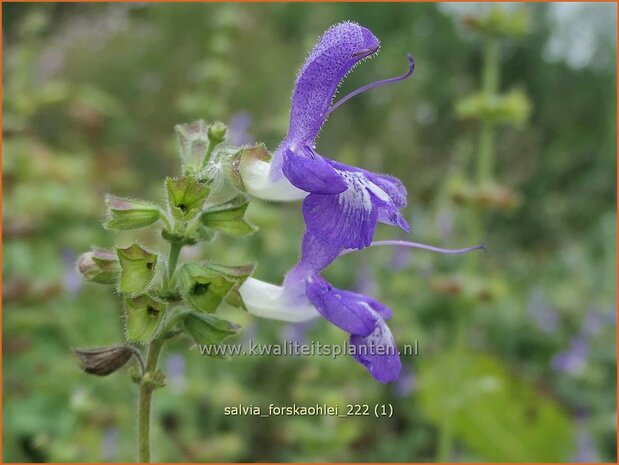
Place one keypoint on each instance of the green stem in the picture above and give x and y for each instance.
(490, 83)
(149, 382)
(175, 250)
(445, 441)
(146, 395)
(485, 172)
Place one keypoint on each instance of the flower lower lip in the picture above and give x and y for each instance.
(365, 52)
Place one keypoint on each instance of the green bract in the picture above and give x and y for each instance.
(229, 218)
(137, 269)
(209, 330)
(130, 214)
(144, 315)
(186, 196)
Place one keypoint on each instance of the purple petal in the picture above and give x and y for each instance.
(311, 173)
(392, 186)
(337, 51)
(347, 220)
(388, 194)
(378, 353)
(341, 308)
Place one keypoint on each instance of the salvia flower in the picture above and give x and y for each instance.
(341, 208)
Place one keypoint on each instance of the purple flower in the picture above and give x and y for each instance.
(72, 280)
(359, 197)
(238, 129)
(541, 313)
(574, 359)
(407, 382)
(341, 208)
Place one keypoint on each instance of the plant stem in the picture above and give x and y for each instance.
(175, 250)
(490, 83)
(146, 394)
(149, 383)
(485, 172)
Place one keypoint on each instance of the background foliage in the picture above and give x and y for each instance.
(517, 346)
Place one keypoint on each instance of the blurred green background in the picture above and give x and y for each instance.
(517, 346)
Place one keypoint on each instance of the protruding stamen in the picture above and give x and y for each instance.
(417, 245)
(411, 68)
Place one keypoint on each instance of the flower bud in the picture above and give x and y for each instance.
(186, 196)
(217, 133)
(204, 286)
(103, 361)
(193, 144)
(137, 269)
(130, 214)
(209, 330)
(229, 218)
(497, 196)
(144, 315)
(511, 108)
(99, 266)
(500, 23)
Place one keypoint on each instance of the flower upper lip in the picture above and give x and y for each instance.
(365, 51)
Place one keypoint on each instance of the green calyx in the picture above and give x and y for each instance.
(144, 316)
(186, 195)
(205, 286)
(208, 330)
(137, 269)
(229, 217)
(130, 214)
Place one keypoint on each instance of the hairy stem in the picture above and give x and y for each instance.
(146, 395)
(175, 250)
(149, 383)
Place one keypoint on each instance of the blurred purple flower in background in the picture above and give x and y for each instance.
(109, 444)
(401, 258)
(541, 313)
(366, 280)
(71, 279)
(297, 332)
(574, 359)
(586, 451)
(406, 383)
(175, 369)
(597, 319)
(238, 129)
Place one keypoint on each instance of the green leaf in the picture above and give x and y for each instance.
(229, 218)
(209, 330)
(499, 417)
(144, 315)
(99, 266)
(204, 286)
(130, 214)
(138, 268)
(186, 195)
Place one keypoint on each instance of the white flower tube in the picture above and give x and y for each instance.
(268, 301)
